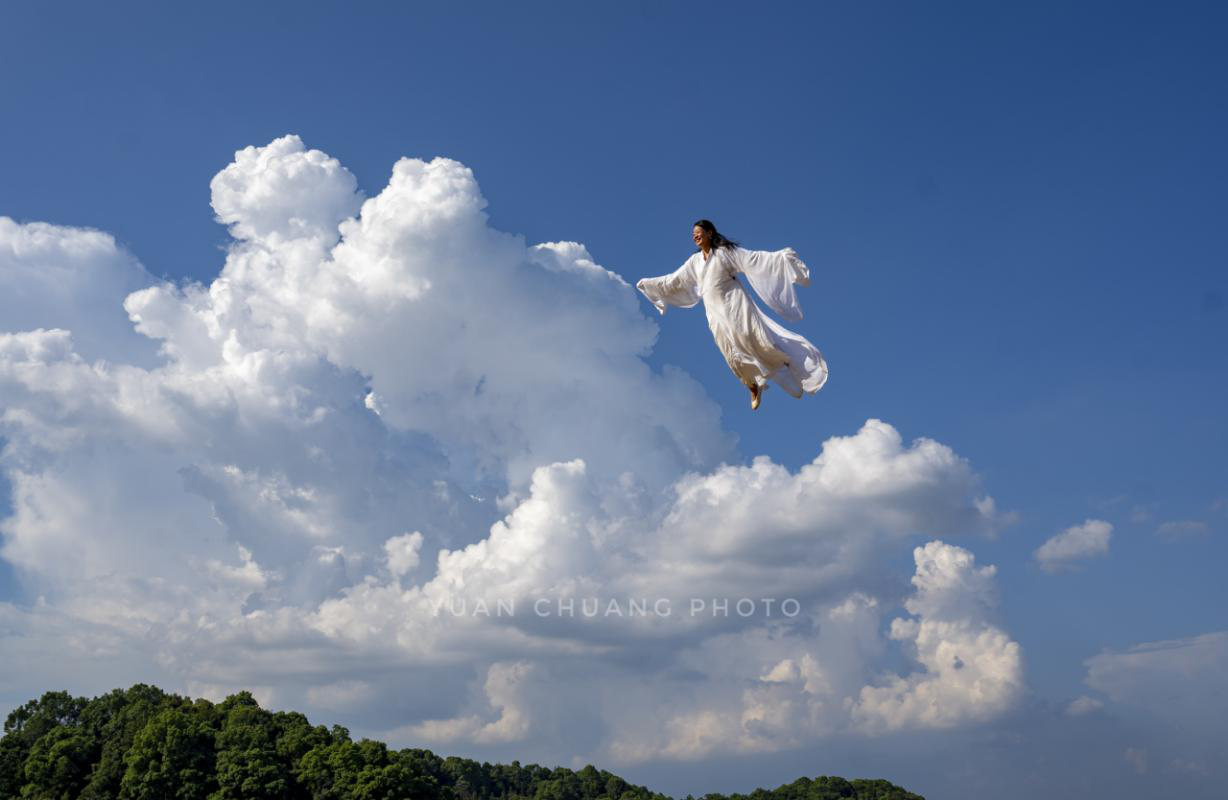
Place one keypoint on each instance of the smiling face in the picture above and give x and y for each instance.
(701, 237)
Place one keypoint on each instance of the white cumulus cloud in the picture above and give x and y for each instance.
(972, 669)
(57, 277)
(402, 552)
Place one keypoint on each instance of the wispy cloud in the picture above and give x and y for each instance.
(1091, 538)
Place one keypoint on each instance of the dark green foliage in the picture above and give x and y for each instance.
(144, 744)
(12, 763)
(826, 787)
(58, 764)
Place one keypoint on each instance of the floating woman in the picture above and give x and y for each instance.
(755, 347)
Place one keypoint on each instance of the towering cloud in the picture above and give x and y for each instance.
(972, 669)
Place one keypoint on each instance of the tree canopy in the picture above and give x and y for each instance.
(144, 744)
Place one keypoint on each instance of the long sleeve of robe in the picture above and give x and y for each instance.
(756, 348)
(772, 273)
(677, 289)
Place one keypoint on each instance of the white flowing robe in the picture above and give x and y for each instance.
(755, 347)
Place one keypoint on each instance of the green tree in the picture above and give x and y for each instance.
(171, 757)
(248, 765)
(24, 727)
(29, 722)
(115, 719)
(58, 764)
(327, 771)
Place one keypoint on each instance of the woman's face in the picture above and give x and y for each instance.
(700, 236)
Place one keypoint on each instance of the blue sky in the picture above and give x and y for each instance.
(1013, 215)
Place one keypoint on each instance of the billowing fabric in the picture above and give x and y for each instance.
(755, 346)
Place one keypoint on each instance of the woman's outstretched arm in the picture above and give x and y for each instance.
(676, 289)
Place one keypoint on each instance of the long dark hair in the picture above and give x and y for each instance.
(718, 240)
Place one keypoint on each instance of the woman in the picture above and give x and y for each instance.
(755, 347)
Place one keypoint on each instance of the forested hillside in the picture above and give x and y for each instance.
(147, 744)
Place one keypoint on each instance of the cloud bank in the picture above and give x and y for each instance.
(385, 463)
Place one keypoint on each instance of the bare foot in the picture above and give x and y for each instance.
(756, 394)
